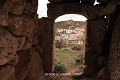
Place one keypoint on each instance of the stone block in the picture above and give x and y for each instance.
(8, 46)
(94, 41)
(56, 10)
(30, 65)
(13, 61)
(47, 44)
(3, 18)
(114, 55)
(7, 73)
(22, 26)
(15, 6)
(31, 7)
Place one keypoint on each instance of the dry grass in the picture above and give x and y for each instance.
(68, 57)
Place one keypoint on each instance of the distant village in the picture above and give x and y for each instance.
(73, 34)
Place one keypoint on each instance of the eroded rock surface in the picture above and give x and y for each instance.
(7, 73)
(8, 46)
(29, 66)
(18, 24)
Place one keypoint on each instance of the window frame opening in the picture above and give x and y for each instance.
(76, 42)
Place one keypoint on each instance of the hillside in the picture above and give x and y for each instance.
(67, 24)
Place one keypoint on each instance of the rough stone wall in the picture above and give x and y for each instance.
(114, 55)
(46, 43)
(19, 59)
(94, 43)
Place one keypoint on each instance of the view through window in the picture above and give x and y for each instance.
(69, 44)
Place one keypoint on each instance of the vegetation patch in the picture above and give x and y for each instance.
(59, 68)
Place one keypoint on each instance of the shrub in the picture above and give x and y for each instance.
(59, 68)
